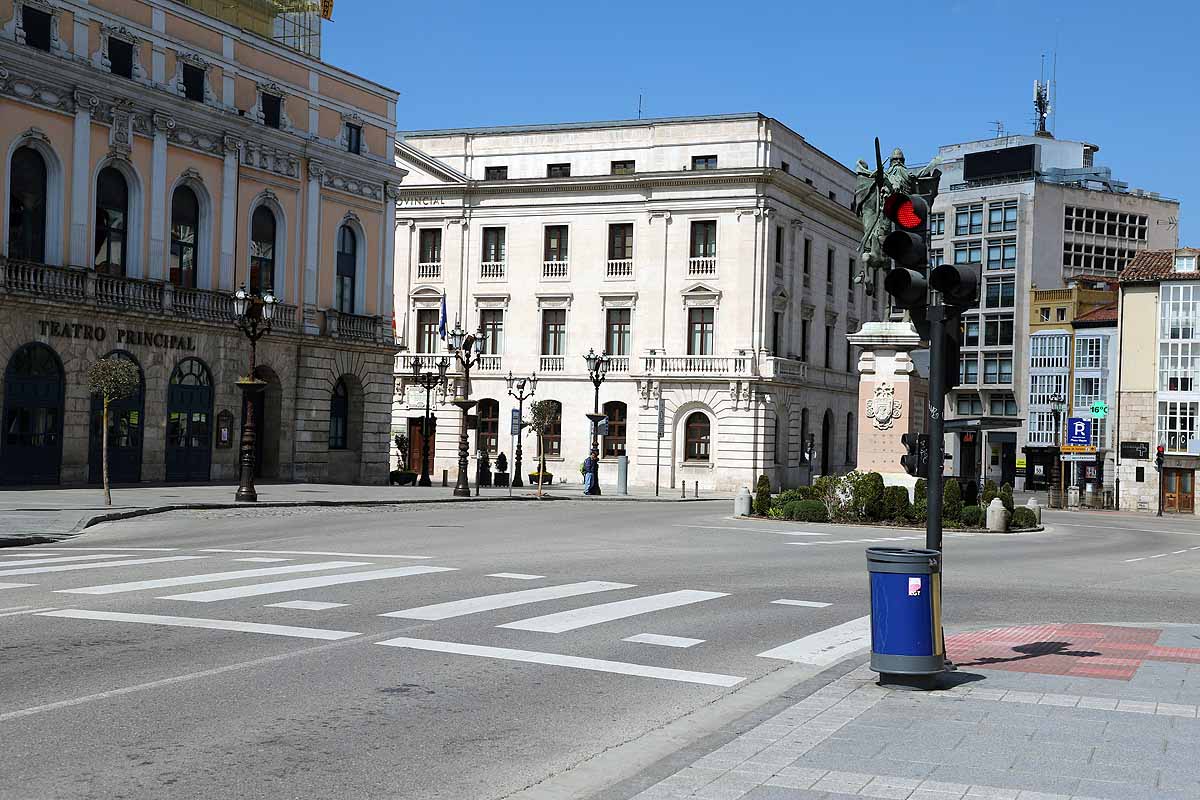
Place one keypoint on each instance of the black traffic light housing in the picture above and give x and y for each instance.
(908, 247)
(1159, 455)
(916, 458)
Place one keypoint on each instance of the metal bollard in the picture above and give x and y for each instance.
(445, 478)
(622, 474)
(683, 490)
(696, 490)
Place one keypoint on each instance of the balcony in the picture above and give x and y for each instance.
(428, 362)
(740, 364)
(702, 267)
(489, 363)
(619, 269)
(618, 364)
(429, 271)
(785, 369)
(355, 327)
(555, 270)
(552, 364)
(491, 270)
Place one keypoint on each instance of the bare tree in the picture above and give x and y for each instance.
(543, 415)
(113, 379)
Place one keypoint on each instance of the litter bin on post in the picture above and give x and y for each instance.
(906, 614)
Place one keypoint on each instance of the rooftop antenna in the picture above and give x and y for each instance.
(1054, 86)
(1041, 101)
(998, 124)
(639, 105)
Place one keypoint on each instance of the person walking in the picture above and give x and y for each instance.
(589, 474)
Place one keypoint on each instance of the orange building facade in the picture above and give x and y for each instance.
(155, 158)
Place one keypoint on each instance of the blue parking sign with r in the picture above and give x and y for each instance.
(1079, 431)
(516, 423)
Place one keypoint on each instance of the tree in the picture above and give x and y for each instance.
(402, 451)
(113, 379)
(762, 496)
(952, 504)
(543, 415)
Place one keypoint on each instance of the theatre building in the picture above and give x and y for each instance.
(155, 155)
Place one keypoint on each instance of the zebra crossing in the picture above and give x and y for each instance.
(159, 588)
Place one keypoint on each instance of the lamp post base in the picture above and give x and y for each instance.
(594, 488)
(462, 487)
(245, 491)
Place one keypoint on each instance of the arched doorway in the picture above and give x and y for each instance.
(267, 407)
(189, 421)
(826, 440)
(33, 416)
(126, 421)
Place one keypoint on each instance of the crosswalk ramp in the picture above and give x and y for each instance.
(574, 624)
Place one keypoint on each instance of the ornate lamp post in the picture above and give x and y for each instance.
(521, 396)
(597, 366)
(253, 315)
(427, 381)
(466, 347)
(1058, 407)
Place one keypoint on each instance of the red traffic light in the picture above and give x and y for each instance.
(1160, 450)
(909, 212)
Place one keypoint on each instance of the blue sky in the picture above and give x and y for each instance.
(839, 73)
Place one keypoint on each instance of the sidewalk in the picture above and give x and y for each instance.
(1041, 712)
(31, 516)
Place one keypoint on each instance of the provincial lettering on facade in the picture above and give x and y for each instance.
(97, 333)
(421, 200)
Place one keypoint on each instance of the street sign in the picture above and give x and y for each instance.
(602, 427)
(662, 418)
(1099, 409)
(1136, 450)
(1085, 457)
(1079, 430)
(515, 427)
(1077, 448)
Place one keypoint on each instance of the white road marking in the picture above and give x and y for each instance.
(571, 662)
(1131, 560)
(307, 605)
(134, 549)
(211, 577)
(15, 585)
(54, 560)
(261, 560)
(860, 541)
(516, 576)
(491, 602)
(665, 641)
(100, 565)
(805, 603)
(14, 608)
(313, 553)
(1161, 555)
(1110, 527)
(749, 528)
(1177, 552)
(209, 624)
(607, 612)
(212, 595)
(825, 647)
(30, 553)
(27, 611)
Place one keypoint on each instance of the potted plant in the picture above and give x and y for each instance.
(402, 476)
(500, 476)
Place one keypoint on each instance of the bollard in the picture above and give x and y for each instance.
(997, 516)
(741, 503)
(445, 478)
(1036, 507)
(622, 474)
(696, 489)
(683, 490)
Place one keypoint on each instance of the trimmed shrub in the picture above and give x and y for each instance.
(990, 492)
(762, 496)
(921, 490)
(1024, 517)
(775, 512)
(808, 511)
(918, 512)
(787, 496)
(827, 490)
(1006, 497)
(972, 516)
(893, 507)
(952, 505)
(867, 496)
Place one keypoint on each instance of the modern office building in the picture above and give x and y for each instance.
(1031, 211)
(1159, 381)
(157, 155)
(713, 259)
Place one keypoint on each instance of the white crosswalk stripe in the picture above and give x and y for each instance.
(101, 565)
(825, 647)
(55, 560)
(194, 622)
(607, 612)
(492, 602)
(211, 577)
(295, 584)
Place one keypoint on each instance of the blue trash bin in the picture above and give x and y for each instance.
(906, 611)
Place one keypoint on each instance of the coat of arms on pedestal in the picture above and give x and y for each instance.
(884, 407)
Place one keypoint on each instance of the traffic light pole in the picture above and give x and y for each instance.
(936, 314)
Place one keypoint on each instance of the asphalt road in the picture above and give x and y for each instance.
(117, 692)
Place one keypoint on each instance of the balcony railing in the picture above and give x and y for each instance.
(129, 293)
(619, 269)
(555, 270)
(700, 267)
(357, 327)
(428, 362)
(24, 277)
(491, 270)
(552, 364)
(489, 363)
(429, 271)
(739, 364)
(199, 304)
(785, 369)
(618, 364)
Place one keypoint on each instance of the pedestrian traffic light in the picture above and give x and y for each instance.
(916, 459)
(1159, 455)
(908, 247)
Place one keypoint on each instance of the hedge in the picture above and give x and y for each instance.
(1024, 517)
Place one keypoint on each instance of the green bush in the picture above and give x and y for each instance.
(808, 511)
(952, 505)
(921, 490)
(762, 496)
(990, 492)
(972, 516)
(775, 512)
(1024, 517)
(918, 512)
(827, 490)
(787, 496)
(894, 505)
(1006, 497)
(867, 496)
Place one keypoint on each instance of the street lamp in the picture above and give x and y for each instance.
(1058, 407)
(427, 381)
(253, 315)
(597, 366)
(521, 396)
(467, 348)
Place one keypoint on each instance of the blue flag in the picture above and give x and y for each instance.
(442, 320)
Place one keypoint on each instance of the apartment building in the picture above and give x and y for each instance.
(713, 258)
(159, 155)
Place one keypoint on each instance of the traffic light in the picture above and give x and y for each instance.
(958, 283)
(916, 460)
(1159, 456)
(951, 351)
(908, 246)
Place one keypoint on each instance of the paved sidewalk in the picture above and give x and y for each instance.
(1049, 712)
(29, 516)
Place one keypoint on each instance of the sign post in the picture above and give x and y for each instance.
(662, 418)
(515, 432)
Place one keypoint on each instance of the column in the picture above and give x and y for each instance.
(81, 177)
(312, 244)
(158, 198)
(229, 186)
(387, 296)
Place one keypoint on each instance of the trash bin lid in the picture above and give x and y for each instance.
(903, 559)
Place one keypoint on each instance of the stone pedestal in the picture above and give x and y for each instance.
(892, 398)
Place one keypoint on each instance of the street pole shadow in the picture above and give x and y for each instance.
(1034, 650)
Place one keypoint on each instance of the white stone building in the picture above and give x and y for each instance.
(1032, 211)
(712, 257)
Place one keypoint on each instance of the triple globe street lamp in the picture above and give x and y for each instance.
(252, 314)
(428, 381)
(467, 348)
(521, 396)
(597, 366)
(1058, 407)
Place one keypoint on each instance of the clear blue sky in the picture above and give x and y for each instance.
(839, 73)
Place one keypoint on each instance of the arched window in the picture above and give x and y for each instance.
(804, 435)
(552, 438)
(696, 435)
(781, 443)
(27, 206)
(262, 251)
(339, 416)
(850, 439)
(614, 442)
(347, 264)
(112, 222)
(185, 224)
(489, 425)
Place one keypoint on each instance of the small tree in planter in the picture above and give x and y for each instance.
(403, 475)
(113, 379)
(762, 496)
(543, 415)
